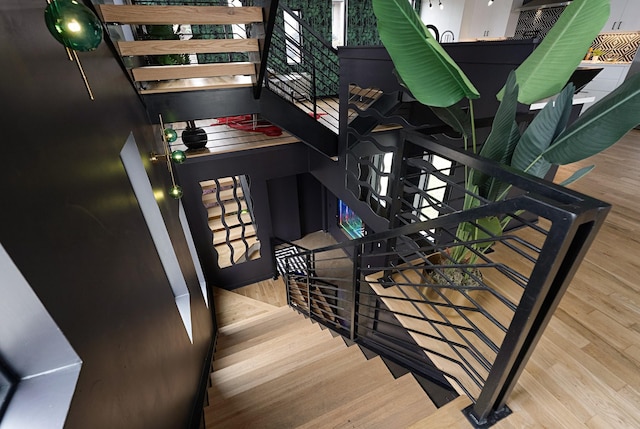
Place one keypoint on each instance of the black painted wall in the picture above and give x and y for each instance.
(72, 225)
(272, 175)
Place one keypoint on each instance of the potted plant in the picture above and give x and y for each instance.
(435, 80)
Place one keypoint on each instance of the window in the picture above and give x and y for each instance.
(379, 179)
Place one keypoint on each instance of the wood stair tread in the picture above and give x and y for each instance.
(233, 307)
(345, 373)
(192, 46)
(210, 185)
(253, 330)
(231, 220)
(189, 71)
(227, 354)
(254, 369)
(254, 321)
(398, 403)
(233, 234)
(147, 14)
(197, 84)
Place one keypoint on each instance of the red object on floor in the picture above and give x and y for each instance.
(317, 115)
(246, 123)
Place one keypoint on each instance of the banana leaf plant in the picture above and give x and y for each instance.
(434, 79)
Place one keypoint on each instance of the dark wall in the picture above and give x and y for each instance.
(71, 223)
(267, 168)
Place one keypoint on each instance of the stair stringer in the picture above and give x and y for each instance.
(288, 117)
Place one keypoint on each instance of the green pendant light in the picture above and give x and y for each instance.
(73, 24)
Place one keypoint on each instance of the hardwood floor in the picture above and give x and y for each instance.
(585, 372)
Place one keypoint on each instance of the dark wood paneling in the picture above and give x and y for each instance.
(72, 225)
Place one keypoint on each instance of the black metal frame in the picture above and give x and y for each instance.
(495, 367)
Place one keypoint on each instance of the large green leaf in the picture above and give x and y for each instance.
(425, 68)
(600, 126)
(497, 144)
(550, 66)
(456, 118)
(542, 131)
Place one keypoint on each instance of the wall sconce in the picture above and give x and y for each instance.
(76, 27)
(169, 135)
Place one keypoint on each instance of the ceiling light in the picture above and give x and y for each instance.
(441, 5)
(430, 5)
(490, 3)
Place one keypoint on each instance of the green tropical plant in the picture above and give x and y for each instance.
(435, 80)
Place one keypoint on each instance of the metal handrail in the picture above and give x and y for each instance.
(479, 333)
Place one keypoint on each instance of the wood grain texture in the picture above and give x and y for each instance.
(585, 372)
(188, 71)
(142, 14)
(279, 370)
(193, 46)
(197, 84)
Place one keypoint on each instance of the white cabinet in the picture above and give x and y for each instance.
(481, 21)
(624, 16)
(445, 20)
(611, 76)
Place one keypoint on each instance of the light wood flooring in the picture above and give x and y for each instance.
(585, 372)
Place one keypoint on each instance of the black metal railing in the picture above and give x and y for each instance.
(302, 67)
(474, 288)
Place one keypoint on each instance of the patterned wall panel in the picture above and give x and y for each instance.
(617, 46)
(536, 23)
(362, 27)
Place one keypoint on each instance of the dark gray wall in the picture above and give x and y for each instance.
(72, 225)
(266, 168)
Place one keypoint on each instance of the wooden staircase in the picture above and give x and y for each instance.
(279, 370)
(230, 221)
(186, 77)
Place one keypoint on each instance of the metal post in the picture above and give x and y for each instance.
(355, 295)
(308, 258)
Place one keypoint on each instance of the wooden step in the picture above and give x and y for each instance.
(209, 185)
(259, 369)
(235, 233)
(230, 206)
(229, 338)
(143, 14)
(228, 354)
(253, 321)
(225, 195)
(192, 46)
(396, 404)
(197, 84)
(232, 307)
(231, 412)
(315, 389)
(186, 71)
(278, 346)
(239, 248)
(231, 220)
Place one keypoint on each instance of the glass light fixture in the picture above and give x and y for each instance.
(175, 192)
(490, 2)
(430, 5)
(170, 135)
(73, 24)
(441, 5)
(178, 156)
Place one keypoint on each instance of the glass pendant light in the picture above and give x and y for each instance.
(73, 24)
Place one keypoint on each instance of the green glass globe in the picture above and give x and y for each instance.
(178, 156)
(175, 192)
(73, 24)
(170, 135)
